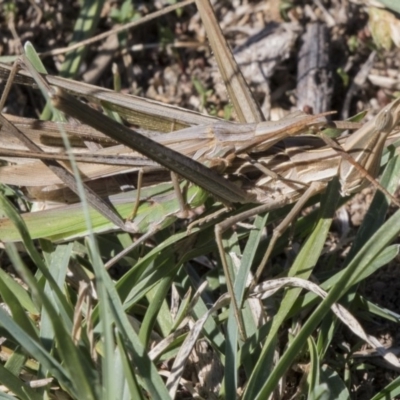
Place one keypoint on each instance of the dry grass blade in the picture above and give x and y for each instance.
(245, 106)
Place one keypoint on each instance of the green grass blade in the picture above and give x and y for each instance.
(17, 386)
(18, 312)
(301, 268)
(35, 350)
(231, 352)
(147, 371)
(232, 337)
(18, 292)
(313, 378)
(391, 391)
(12, 214)
(106, 325)
(68, 222)
(156, 298)
(129, 373)
(58, 268)
(82, 379)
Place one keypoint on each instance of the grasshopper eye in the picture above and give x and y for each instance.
(396, 116)
(384, 121)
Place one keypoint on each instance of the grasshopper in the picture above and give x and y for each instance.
(216, 137)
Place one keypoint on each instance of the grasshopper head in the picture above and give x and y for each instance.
(366, 146)
(389, 117)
